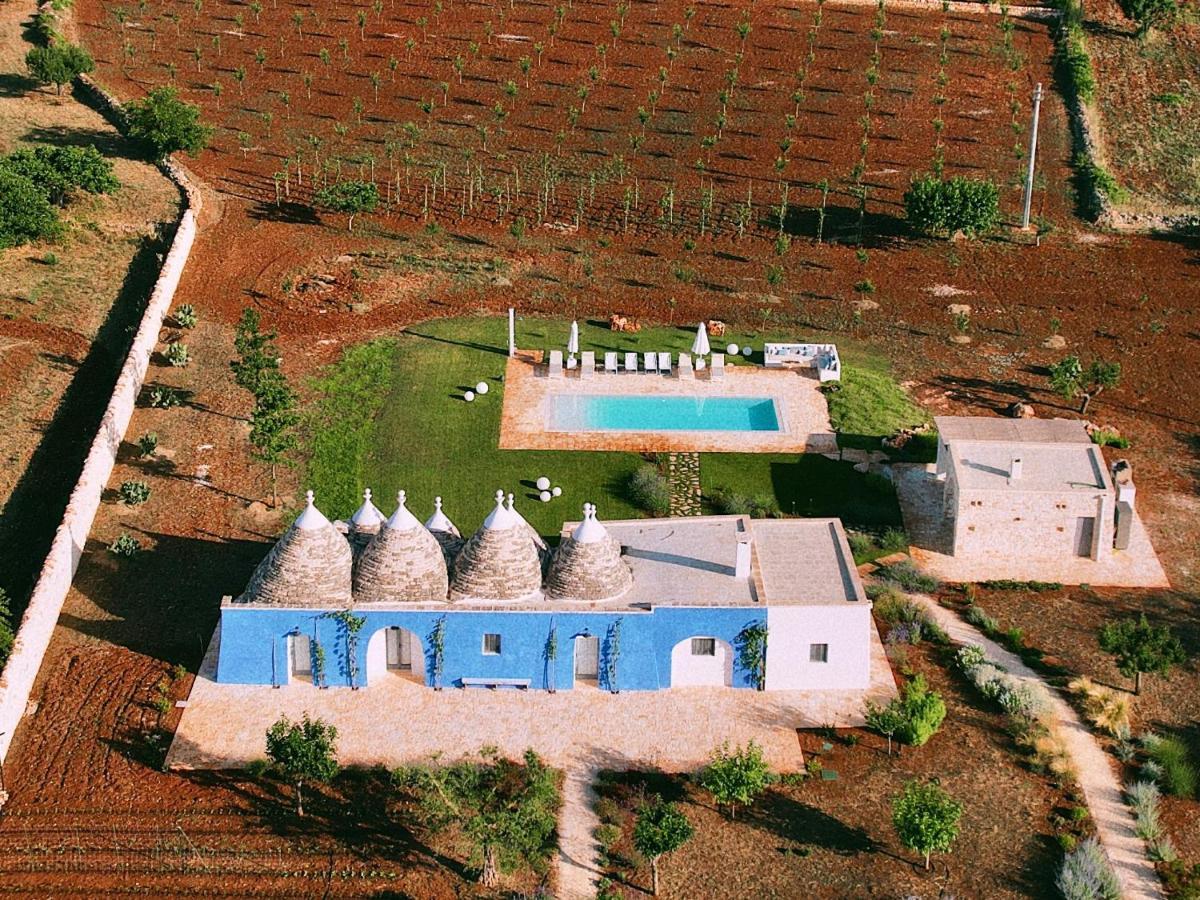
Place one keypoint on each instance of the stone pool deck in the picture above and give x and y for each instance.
(396, 721)
(801, 406)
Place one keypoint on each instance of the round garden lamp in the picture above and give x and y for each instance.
(482, 388)
(469, 396)
(733, 349)
(557, 491)
(747, 350)
(543, 483)
(544, 496)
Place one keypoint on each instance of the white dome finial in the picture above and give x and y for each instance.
(310, 517)
(400, 496)
(367, 495)
(308, 497)
(502, 516)
(402, 519)
(439, 521)
(589, 531)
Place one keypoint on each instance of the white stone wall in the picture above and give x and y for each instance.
(54, 580)
(1031, 524)
(692, 671)
(846, 628)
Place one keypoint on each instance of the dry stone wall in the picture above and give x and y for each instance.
(54, 580)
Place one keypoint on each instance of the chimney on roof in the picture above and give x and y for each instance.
(741, 566)
(1014, 472)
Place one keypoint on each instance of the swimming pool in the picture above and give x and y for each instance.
(640, 412)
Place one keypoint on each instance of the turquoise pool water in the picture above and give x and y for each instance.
(586, 412)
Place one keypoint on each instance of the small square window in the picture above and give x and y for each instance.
(818, 653)
(704, 646)
(491, 645)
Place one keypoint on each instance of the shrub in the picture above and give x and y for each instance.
(969, 657)
(256, 768)
(25, 212)
(185, 316)
(148, 443)
(937, 206)
(1178, 771)
(860, 544)
(1087, 875)
(607, 835)
(6, 629)
(648, 490)
(923, 711)
(894, 540)
(125, 546)
(981, 620)
(608, 811)
(177, 354)
(907, 577)
(134, 493)
(730, 503)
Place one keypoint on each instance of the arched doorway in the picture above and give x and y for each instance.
(395, 651)
(702, 661)
(587, 660)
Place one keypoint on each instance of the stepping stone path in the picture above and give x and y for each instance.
(683, 478)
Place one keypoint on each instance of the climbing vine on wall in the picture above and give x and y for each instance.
(551, 655)
(437, 643)
(352, 625)
(611, 655)
(751, 645)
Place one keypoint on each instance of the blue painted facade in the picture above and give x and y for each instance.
(254, 643)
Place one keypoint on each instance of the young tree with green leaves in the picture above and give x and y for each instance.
(274, 417)
(303, 751)
(735, 778)
(943, 207)
(925, 818)
(58, 63)
(1069, 379)
(886, 720)
(660, 829)
(1149, 14)
(167, 124)
(507, 809)
(58, 170)
(1141, 648)
(350, 197)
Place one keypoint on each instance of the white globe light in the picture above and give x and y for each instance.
(733, 349)
(469, 396)
(544, 496)
(482, 387)
(543, 483)
(746, 351)
(557, 492)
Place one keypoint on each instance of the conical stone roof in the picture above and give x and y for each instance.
(365, 523)
(402, 562)
(309, 566)
(446, 534)
(587, 565)
(500, 562)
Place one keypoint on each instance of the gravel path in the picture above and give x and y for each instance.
(577, 848)
(1097, 776)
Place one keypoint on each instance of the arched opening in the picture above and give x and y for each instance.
(587, 660)
(299, 657)
(395, 651)
(702, 661)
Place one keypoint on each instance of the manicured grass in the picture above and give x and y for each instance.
(390, 415)
(870, 405)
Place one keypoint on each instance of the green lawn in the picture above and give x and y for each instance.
(390, 415)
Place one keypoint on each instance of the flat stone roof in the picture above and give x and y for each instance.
(985, 466)
(1013, 431)
(806, 561)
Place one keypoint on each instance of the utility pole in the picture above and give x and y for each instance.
(1033, 135)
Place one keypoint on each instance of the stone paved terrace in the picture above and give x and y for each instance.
(802, 407)
(397, 721)
(920, 496)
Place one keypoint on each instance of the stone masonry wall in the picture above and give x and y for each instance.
(54, 580)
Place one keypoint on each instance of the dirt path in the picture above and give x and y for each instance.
(577, 848)
(1097, 777)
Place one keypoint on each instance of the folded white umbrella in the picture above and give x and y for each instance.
(573, 341)
(700, 345)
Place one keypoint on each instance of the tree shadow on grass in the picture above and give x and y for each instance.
(473, 345)
(289, 213)
(13, 84)
(108, 142)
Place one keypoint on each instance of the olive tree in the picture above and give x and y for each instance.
(944, 207)
(660, 829)
(167, 124)
(735, 778)
(925, 818)
(1141, 648)
(1070, 379)
(350, 197)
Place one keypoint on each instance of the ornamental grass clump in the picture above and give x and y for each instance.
(1106, 709)
(1173, 759)
(1087, 875)
(907, 577)
(648, 489)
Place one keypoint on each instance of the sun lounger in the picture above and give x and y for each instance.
(664, 363)
(685, 367)
(587, 364)
(556, 364)
(631, 363)
(718, 366)
(650, 362)
(610, 362)
(572, 362)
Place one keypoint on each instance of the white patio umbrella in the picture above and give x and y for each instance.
(573, 340)
(700, 345)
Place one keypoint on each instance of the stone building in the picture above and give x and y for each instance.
(1030, 488)
(642, 604)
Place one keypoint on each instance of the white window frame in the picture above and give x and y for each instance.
(711, 644)
(818, 653)
(499, 643)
